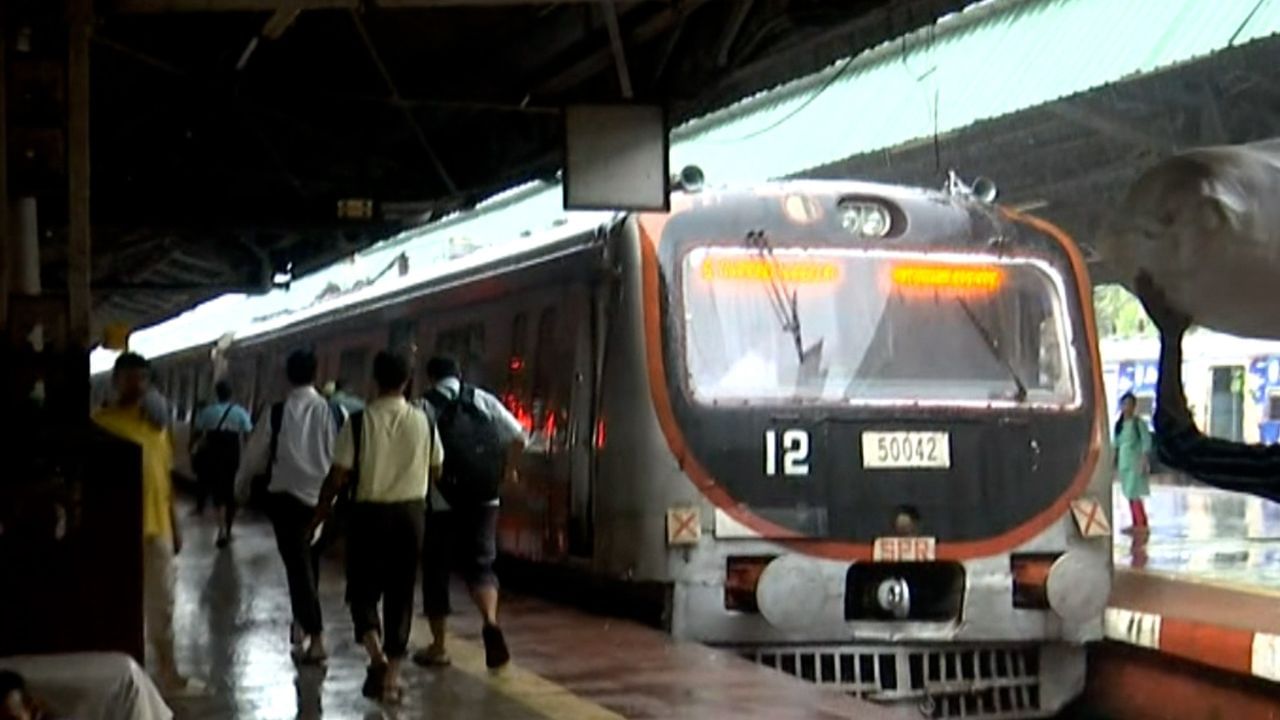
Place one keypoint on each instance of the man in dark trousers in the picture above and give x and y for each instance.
(295, 449)
(391, 453)
(482, 443)
(219, 431)
(1228, 465)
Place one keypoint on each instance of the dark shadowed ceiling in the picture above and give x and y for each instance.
(225, 133)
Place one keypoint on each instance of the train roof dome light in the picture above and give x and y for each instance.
(690, 179)
(982, 189)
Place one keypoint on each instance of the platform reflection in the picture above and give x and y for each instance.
(1203, 534)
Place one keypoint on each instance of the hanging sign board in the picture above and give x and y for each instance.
(615, 157)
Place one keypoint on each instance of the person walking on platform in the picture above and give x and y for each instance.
(161, 537)
(482, 443)
(219, 431)
(1133, 450)
(1240, 467)
(386, 458)
(294, 449)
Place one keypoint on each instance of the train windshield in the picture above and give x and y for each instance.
(866, 326)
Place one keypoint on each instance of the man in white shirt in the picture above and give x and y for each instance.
(462, 531)
(391, 453)
(295, 447)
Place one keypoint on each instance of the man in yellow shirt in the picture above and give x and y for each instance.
(391, 452)
(126, 418)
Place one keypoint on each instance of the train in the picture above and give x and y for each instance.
(855, 432)
(1232, 384)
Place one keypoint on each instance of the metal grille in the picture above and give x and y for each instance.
(992, 683)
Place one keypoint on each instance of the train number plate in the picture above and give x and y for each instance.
(905, 549)
(905, 449)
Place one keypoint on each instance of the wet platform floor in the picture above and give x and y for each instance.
(1204, 535)
(232, 626)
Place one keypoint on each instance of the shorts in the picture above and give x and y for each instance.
(458, 541)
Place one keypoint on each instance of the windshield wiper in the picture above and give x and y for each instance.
(996, 352)
(783, 299)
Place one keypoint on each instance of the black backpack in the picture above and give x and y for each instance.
(217, 452)
(473, 452)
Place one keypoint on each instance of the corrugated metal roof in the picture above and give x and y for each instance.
(992, 59)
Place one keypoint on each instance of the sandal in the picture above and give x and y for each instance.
(432, 657)
(375, 679)
(496, 654)
(392, 695)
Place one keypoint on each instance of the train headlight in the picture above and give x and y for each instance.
(865, 218)
(894, 597)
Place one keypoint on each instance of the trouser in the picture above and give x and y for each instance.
(290, 518)
(220, 485)
(384, 541)
(462, 541)
(1139, 512)
(157, 600)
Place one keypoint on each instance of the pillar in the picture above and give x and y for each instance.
(79, 296)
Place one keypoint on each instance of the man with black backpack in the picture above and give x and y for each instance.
(294, 451)
(482, 443)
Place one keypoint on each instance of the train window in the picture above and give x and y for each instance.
(1146, 405)
(873, 327)
(518, 333)
(466, 345)
(401, 336)
(353, 368)
(544, 350)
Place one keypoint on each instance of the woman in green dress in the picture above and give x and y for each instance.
(1133, 447)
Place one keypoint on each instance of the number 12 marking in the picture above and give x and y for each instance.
(794, 450)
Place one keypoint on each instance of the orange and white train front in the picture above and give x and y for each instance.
(882, 449)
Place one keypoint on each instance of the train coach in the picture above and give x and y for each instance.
(855, 431)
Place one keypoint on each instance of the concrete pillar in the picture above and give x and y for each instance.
(4, 177)
(79, 258)
(24, 272)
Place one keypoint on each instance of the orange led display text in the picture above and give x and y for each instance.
(798, 272)
(963, 278)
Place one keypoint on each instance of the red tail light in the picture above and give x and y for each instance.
(741, 576)
(1030, 578)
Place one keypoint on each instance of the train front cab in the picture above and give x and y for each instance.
(794, 568)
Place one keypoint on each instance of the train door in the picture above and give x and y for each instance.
(581, 426)
(1226, 402)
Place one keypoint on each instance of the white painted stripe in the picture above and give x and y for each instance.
(1266, 656)
(729, 528)
(1133, 627)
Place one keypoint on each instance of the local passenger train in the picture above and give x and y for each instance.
(855, 431)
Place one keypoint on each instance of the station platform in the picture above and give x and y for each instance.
(1201, 597)
(232, 628)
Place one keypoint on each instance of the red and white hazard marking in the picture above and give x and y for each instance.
(1090, 517)
(684, 526)
(1242, 652)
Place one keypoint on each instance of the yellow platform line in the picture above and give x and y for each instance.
(535, 692)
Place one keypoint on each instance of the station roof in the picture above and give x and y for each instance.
(226, 132)
(1061, 102)
(1062, 132)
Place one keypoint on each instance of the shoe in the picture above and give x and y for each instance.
(375, 678)
(432, 657)
(496, 654)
